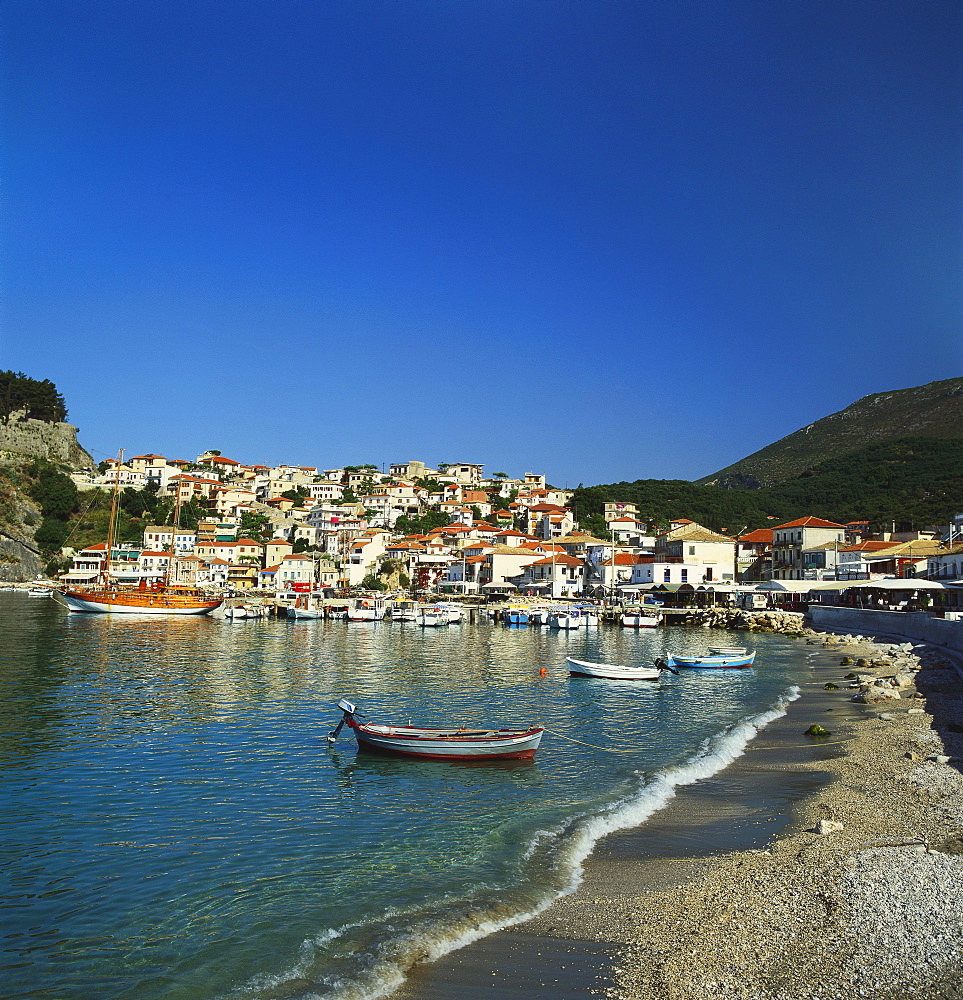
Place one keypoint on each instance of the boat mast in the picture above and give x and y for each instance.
(170, 553)
(111, 529)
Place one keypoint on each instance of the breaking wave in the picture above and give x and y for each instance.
(372, 957)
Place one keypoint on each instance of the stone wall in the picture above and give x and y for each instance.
(916, 625)
(22, 437)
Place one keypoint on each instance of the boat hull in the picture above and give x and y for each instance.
(640, 621)
(138, 603)
(394, 741)
(611, 671)
(460, 744)
(564, 622)
(711, 662)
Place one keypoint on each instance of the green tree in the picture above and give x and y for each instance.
(41, 400)
(423, 524)
(256, 525)
(371, 582)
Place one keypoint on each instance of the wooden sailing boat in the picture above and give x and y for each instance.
(106, 596)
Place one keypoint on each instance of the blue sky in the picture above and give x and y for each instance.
(602, 241)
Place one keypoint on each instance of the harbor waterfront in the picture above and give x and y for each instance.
(176, 825)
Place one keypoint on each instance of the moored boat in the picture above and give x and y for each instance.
(589, 613)
(565, 620)
(515, 615)
(107, 596)
(640, 617)
(456, 744)
(367, 609)
(613, 671)
(710, 662)
(164, 600)
(431, 618)
(402, 611)
(297, 612)
(39, 592)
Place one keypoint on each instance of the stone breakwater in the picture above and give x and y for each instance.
(863, 897)
(787, 622)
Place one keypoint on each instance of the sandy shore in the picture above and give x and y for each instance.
(872, 906)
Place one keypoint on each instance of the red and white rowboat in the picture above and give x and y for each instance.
(440, 744)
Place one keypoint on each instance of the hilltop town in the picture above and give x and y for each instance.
(455, 529)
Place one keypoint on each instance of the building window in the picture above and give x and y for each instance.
(685, 576)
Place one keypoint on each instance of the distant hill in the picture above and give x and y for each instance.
(933, 411)
(912, 481)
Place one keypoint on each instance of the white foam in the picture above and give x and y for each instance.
(431, 940)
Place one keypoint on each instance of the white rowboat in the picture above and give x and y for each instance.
(440, 744)
(611, 671)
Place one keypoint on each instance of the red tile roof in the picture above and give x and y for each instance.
(809, 522)
(558, 560)
(759, 535)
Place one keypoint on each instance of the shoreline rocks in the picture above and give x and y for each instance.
(788, 622)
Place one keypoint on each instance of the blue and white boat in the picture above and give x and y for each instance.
(712, 661)
(515, 616)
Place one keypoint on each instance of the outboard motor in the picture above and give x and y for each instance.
(348, 709)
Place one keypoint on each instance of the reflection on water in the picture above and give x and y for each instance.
(175, 822)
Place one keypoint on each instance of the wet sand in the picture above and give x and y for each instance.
(729, 890)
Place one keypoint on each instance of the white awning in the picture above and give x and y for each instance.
(891, 583)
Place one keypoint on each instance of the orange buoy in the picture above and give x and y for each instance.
(542, 672)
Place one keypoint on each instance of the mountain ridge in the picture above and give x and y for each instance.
(933, 410)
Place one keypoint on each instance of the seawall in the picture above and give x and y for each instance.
(915, 625)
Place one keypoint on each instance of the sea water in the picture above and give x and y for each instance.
(174, 824)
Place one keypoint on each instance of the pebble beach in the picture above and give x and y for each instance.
(862, 896)
(858, 894)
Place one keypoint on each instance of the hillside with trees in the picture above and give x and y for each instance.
(911, 481)
(934, 410)
(40, 400)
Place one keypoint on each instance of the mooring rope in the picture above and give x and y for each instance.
(806, 746)
(797, 746)
(594, 746)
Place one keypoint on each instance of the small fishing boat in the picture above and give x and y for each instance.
(515, 615)
(306, 612)
(615, 671)
(368, 610)
(432, 618)
(39, 592)
(589, 613)
(640, 617)
(728, 650)
(338, 611)
(565, 620)
(710, 662)
(440, 744)
(402, 611)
